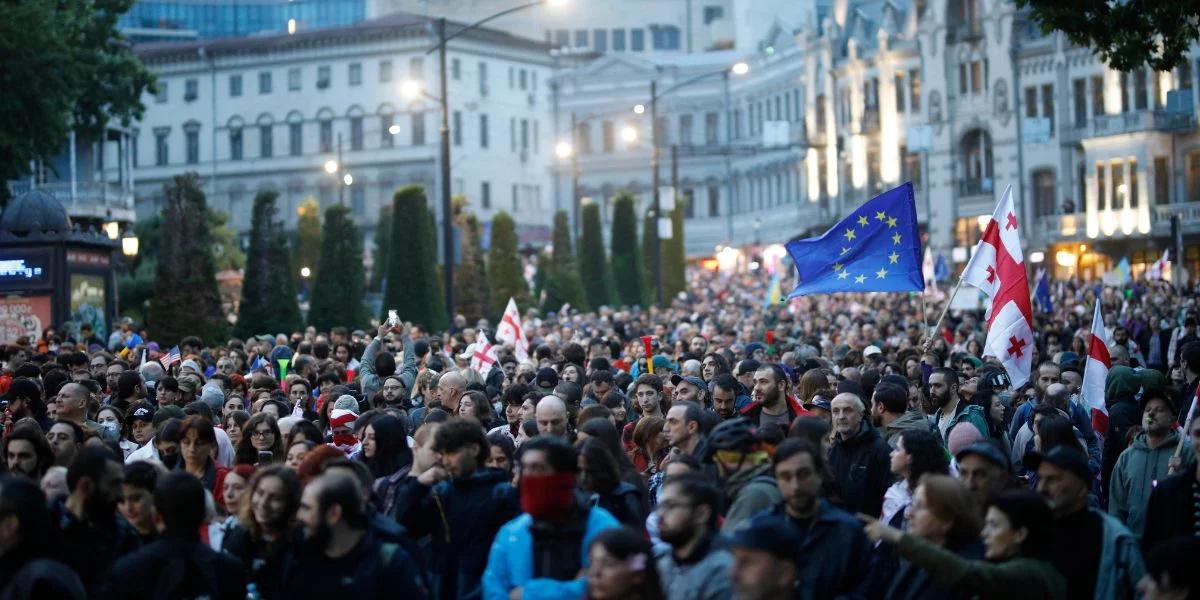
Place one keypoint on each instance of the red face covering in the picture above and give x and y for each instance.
(548, 497)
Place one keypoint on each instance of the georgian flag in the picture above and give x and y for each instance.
(1159, 267)
(483, 354)
(1095, 373)
(998, 269)
(510, 332)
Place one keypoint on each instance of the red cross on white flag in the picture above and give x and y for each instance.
(1095, 373)
(510, 332)
(483, 354)
(998, 270)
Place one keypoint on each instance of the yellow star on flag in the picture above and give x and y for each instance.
(891, 221)
(850, 234)
(843, 274)
(860, 279)
(881, 273)
(837, 266)
(896, 239)
(894, 257)
(880, 216)
(862, 220)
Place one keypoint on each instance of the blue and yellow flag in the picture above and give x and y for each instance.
(877, 248)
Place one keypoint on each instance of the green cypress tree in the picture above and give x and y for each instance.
(337, 298)
(504, 265)
(564, 285)
(409, 268)
(674, 258)
(268, 302)
(541, 275)
(627, 265)
(428, 239)
(649, 242)
(593, 265)
(186, 299)
(474, 291)
(383, 248)
(307, 251)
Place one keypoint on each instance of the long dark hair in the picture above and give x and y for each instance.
(247, 454)
(391, 447)
(1054, 430)
(602, 474)
(628, 544)
(927, 454)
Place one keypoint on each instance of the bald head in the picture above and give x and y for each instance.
(450, 389)
(551, 415)
(1057, 395)
(71, 402)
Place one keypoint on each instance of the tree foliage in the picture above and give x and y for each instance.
(593, 265)
(381, 251)
(563, 286)
(471, 289)
(408, 291)
(626, 257)
(337, 297)
(651, 246)
(428, 238)
(504, 265)
(1126, 35)
(268, 302)
(307, 250)
(186, 300)
(65, 65)
(673, 256)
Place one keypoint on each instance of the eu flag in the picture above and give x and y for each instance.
(875, 249)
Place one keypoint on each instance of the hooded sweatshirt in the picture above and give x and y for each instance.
(1134, 477)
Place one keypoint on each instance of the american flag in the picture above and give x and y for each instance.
(170, 358)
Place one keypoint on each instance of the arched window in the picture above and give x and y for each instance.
(963, 20)
(975, 154)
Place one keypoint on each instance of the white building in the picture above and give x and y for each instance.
(258, 113)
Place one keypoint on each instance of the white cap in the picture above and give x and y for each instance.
(871, 351)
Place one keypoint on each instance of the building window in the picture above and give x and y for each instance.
(358, 199)
(522, 79)
(600, 40)
(295, 139)
(134, 141)
(416, 68)
(1162, 181)
(618, 40)
(688, 197)
(456, 127)
(483, 84)
(911, 167)
(1097, 95)
(326, 135)
(323, 77)
(1118, 185)
(714, 200)
(266, 141)
(160, 92)
(914, 83)
(356, 133)
(515, 205)
(385, 71)
(562, 38)
(685, 129)
(192, 133)
(900, 89)
(712, 13)
(1079, 92)
(512, 78)
(710, 128)
(355, 74)
(1031, 102)
(581, 38)
(977, 84)
(1101, 187)
(660, 134)
(512, 134)
(191, 90)
(235, 86)
(387, 139)
(1134, 194)
(1044, 190)
(294, 79)
(962, 79)
(1193, 177)
(485, 195)
(665, 37)
(607, 137)
(161, 153)
(1139, 88)
(976, 157)
(264, 82)
(637, 39)
(455, 69)
(483, 131)
(583, 138)
(1048, 105)
(418, 129)
(737, 124)
(235, 143)
(524, 134)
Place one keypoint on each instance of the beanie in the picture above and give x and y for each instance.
(346, 402)
(962, 435)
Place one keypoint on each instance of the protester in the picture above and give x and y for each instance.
(695, 567)
(27, 453)
(94, 534)
(765, 565)
(860, 457)
(1171, 509)
(266, 535)
(1144, 463)
(30, 546)
(622, 567)
(745, 470)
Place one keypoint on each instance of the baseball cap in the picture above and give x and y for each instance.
(546, 379)
(696, 381)
(770, 533)
(821, 403)
(992, 379)
(985, 450)
(871, 350)
(140, 412)
(1066, 458)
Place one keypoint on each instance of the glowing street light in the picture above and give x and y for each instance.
(410, 89)
(629, 134)
(331, 166)
(563, 150)
(394, 130)
(305, 272)
(112, 229)
(348, 179)
(129, 245)
(291, 27)
(639, 109)
(740, 68)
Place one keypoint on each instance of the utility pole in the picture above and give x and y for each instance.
(444, 132)
(657, 246)
(341, 170)
(575, 180)
(675, 172)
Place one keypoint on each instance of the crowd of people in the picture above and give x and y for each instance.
(828, 447)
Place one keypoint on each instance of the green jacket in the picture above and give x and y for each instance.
(1132, 480)
(749, 492)
(1024, 578)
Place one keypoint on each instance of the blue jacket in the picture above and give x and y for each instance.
(510, 564)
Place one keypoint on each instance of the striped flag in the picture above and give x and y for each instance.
(1095, 373)
(170, 358)
(483, 355)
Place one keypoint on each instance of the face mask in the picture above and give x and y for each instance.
(548, 497)
(344, 439)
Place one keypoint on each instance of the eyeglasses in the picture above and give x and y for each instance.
(669, 505)
(264, 433)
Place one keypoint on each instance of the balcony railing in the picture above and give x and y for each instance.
(1144, 120)
(93, 199)
(975, 187)
(1062, 227)
(1189, 213)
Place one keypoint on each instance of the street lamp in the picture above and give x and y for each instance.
(394, 130)
(740, 68)
(563, 150)
(112, 229)
(331, 166)
(639, 109)
(411, 89)
(305, 272)
(348, 179)
(129, 245)
(629, 134)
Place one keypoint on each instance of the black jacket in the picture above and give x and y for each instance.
(372, 569)
(173, 568)
(624, 503)
(1122, 415)
(1171, 511)
(461, 516)
(264, 563)
(91, 548)
(913, 582)
(861, 466)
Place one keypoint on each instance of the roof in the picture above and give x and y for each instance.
(35, 211)
(389, 26)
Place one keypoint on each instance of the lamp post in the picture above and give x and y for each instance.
(444, 140)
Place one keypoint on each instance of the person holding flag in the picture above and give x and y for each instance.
(509, 331)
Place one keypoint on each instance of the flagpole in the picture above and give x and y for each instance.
(1191, 414)
(945, 309)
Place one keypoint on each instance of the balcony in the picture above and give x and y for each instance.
(1189, 213)
(1144, 120)
(870, 120)
(1060, 228)
(93, 199)
(964, 32)
(975, 187)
